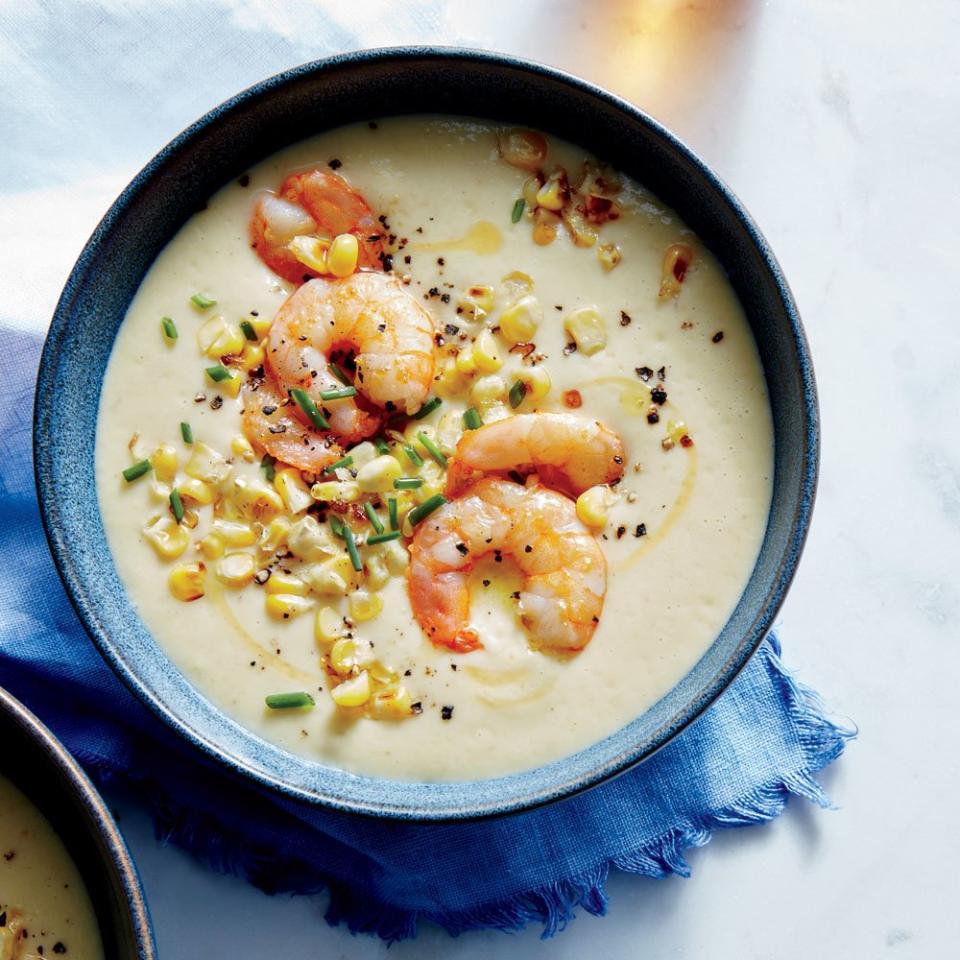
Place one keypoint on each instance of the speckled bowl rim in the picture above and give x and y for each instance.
(310, 781)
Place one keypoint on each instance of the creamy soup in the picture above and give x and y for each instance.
(45, 910)
(553, 288)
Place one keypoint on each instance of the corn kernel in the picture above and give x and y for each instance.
(240, 447)
(587, 329)
(545, 224)
(261, 325)
(256, 500)
(310, 541)
(676, 261)
(593, 506)
(365, 605)
(329, 626)
(525, 149)
(343, 254)
(495, 412)
(609, 255)
(363, 453)
(465, 364)
(555, 192)
(186, 581)
(296, 494)
(234, 533)
(486, 353)
(476, 302)
(190, 519)
(396, 557)
(195, 491)
(536, 380)
(167, 537)
(164, 462)
(159, 492)
(286, 606)
(252, 357)
(377, 573)
(531, 187)
(231, 386)
(274, 535)
(583, 233)
(515, 285)
(352, 693)
(219, 338)
(519, 323)
(207, 464)
(343, 656)
(336, 491)
(236, 569)
(378, 475)
(382, 674)
(331, 578)
(287, 584)
(312, 252)
(449, 431)
(211, 546)
(488, 390)
(393, 703)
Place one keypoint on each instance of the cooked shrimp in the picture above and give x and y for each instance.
(568, 452)
(370, 315)
(318, 203)
(563, 570)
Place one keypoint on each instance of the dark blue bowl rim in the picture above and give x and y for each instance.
(449, 801)
(74, 775)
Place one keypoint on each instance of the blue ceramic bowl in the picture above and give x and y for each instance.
(39, 765)
(222, 145)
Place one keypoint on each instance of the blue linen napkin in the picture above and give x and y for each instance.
(759, 743)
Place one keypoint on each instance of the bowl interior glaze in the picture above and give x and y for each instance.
(238, 134)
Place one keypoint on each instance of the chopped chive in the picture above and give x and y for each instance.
(289, 701)
(136, 471)
(247, 327)
(471, 419)
(415, 457)
(342, 462)
(176, 505)
(432, 449)
(169, 328)
(393, 512)
(338, 394)
(201, 302)
(372, 517)
(337, 526)
(408, 483)
(426, 508)
(517, 212)
(219, 373)
(267, 465)
(338, 373)
(186, 431)
(517, 392)
(309, 408)
(381, 445)
(383, 537)
(352, 549)
(427, 408)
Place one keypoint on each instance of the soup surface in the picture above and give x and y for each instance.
(44, 907)
(556, 292)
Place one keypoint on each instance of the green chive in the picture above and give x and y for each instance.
(337, 526)
(426, 508)
(471, 419)
(415, 457)
(352, 549)
(517, 211)
(338, 394)
(169, 328)
(432, 449)
(372, 517)
(201, 302)
(186, 431)
(342, 462)
(310, 409)
(338, 373)
(267, 465)
(394, 516)
(247, 327)
(176, 505)
(136, 471)
(408, 483)
(383, 537)
(219, 373)
(289, 701)
(381, 445)
(427, 408)
(517, 392)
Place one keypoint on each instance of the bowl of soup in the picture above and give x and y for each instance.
(426, 433)
(67, 884)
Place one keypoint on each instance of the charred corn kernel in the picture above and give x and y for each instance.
(555, 192)
(207, 464)
(593, 506)
(336, 491)
(449, 431)
(286, 583)
(167, 537)
(312, 252)
(365, 605)
(159, 492)
(240, 446)
(587, 329)
(256, 500)
(582, 231)
(218, 337)
(465, 364)
(331, 578)
(343, 656)
(396, 557)
(274, 535)
(362, 454)
(295, 493)
(195, 491)
(252, 357)
(164, 462)
(211, 546)
(354, 692)
(536, 380)
(236, 569)
(261, 325)
(525, 149)
(343, 254)
(676, 261)
(609, 255)
(377, 572)
(393, 703)
(310, 541)
(488, 390)
(486, 353)
(519, 323)
(286, 606)
(378, 475)
(190, 519)
(234, 533)
(480, 295)
(187, 581)
(545, 224)
(328, 626)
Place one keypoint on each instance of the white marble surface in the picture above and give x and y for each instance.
(838, 123)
